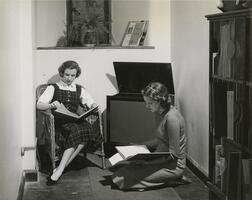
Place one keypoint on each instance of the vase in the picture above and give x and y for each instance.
(89, 38)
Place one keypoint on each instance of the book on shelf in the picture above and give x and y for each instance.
(134, 153)
(239, 114)
(217, 174)
(63, 112)
(219, 164)
(250, 140)
(225, 60)
(249, 42)
(215, 63)
(234, 175)
(231, 180)
(247, 178)
(240, 38)
(249, 132)
(135, 33)
(230, 114)
(144, 34)
(220, 110)
(229, 62)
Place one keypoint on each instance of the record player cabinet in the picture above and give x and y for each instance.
(128, 120)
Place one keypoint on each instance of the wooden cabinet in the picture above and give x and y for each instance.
(230, 68)
(128, 120)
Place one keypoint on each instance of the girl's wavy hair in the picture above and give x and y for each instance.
(69, 65)
(158, 92)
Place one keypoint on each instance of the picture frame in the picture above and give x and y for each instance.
(135, 33)
(88, 22)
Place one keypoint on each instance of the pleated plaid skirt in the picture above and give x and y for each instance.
(72, 134)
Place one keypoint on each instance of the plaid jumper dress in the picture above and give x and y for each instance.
(72, 133)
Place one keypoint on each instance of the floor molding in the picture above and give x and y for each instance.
(30, 175)
(21, 187)
(196, 171)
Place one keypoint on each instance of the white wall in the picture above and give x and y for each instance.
(50, 21)
(16, 98)
(123, 11)
(52, 13)
(156, 11)
(27, 81)
(97, 63)
(190, 42)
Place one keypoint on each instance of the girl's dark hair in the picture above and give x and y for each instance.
(69, 65)
(158, 92)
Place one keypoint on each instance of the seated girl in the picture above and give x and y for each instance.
(170, 137)
(71, 136)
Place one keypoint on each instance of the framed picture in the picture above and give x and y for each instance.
(88, 22)
(135, 33)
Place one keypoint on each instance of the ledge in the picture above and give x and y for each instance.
(98, 47)
(239, 12)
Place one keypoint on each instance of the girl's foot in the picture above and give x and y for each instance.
(56, 175)
(51, 181)
(186, 180)
(51, 173)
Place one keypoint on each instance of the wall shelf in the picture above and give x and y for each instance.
(219, 78)
(98, 47)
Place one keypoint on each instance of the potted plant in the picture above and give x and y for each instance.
(94, 30)
(87, 25)
(91, 30)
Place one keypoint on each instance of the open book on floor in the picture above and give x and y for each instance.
(136, 152)
(63, 112)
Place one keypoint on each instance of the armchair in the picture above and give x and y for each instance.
(48, 152)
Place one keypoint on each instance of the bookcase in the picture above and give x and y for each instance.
(230, 97)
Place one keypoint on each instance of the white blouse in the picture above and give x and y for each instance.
(47, 95)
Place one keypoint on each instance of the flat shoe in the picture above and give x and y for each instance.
(51, 182)
(49, 176)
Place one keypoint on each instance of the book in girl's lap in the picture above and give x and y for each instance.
(136, 154)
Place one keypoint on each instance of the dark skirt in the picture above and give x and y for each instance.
(133, 176)
(72, 134)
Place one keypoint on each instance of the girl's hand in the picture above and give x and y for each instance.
(54, 104)
(93, 106)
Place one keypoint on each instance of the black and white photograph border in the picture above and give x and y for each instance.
(194, 36)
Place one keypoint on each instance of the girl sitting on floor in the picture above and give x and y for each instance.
(170, 137)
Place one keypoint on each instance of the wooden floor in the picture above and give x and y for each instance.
(85, 180)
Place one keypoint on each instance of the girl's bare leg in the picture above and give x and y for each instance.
(75, 153)
(63, 163)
